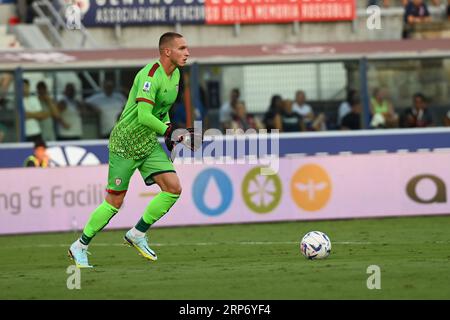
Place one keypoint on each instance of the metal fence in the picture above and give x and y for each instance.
(324, 81)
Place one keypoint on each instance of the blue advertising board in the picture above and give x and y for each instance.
(142, 12)
(308, 144)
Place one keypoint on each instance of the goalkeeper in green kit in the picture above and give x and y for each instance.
(133, 145)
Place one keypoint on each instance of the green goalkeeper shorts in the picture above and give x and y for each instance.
(121, 169)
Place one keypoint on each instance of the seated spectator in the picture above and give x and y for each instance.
(70, 126)
(2, 133)
(290, 121)
(226, 109)
(447, 119)
(419, 115)
(346, 106)
(416, 12)
(352, 120)
(109, 105)
(39, 158)
(33, 114)
(384, 3)
(178, 114)
(319, 123)
(25, 11)
(272, 118)
(310, 121)
(303, 109)
(448, 9)
(382, 110)
(5, 81)
(242, 120)
(49, 106)
(437, 3)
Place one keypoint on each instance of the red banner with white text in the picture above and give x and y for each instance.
(277, 11)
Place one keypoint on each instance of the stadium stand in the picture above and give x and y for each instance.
(52, 23)
(8, 41)
(283, 50)
(31, 37)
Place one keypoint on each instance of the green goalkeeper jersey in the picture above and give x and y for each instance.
(146, 112)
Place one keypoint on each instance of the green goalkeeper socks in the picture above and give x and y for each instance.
(104, 213)
(98, 220)
(156, 209)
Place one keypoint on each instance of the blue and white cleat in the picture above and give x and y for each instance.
(141, 245)
(79, 256)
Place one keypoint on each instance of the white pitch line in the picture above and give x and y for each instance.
(195, 244)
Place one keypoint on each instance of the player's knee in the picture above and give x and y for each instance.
(174, 189)
(115, 200)
(117, 203)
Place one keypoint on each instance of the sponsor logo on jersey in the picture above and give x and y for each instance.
(147, 86)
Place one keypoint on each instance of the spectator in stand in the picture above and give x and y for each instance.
(2, 133)
(303, 109)
(5, 81)
(319, 123)
(25, 11)
(419, 115)
(178, 114)
(346, 106)
(416, 12)
(242, 120)
(384, 3)
(290, 121)
(39, 158)
(33, 114)
(447, 119)
(437, 3)
(70, 126)
(272, 119)
(109, 105)
(352, 120)
(49, 106)
(382, 110)
(226, 109)
(310, 121)
(448, 10)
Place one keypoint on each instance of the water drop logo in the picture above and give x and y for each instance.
(212, 192)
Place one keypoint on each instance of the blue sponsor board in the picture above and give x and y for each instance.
(7, 1)
(69, 154)
(361, 142)
(143, 12)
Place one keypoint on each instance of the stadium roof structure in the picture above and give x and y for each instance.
(292, 52)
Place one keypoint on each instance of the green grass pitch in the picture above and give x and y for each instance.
(252, 261)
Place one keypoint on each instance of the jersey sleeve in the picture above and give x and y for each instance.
(147, 88)
(146, 117)
(166, 118)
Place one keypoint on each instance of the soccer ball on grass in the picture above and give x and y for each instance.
(315, 245)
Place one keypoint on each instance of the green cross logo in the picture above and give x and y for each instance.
(261, 193)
